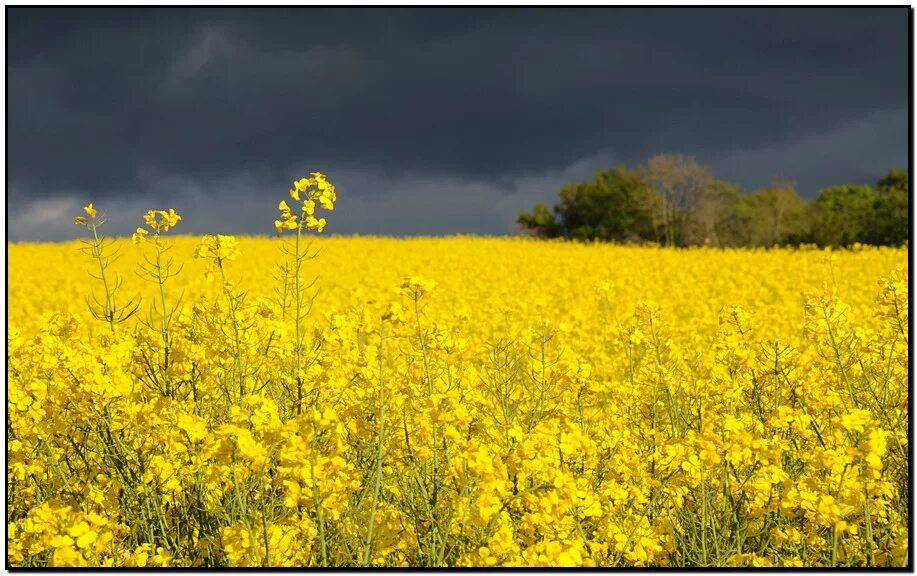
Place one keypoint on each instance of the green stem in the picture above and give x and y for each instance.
(837, 356)
(426, 368)
(165, 315)
(240, 375)
(97, 251)
(296, 295)
(367, 549)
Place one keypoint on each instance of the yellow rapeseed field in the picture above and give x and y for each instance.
(311, 401)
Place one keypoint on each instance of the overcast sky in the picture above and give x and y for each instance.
(431, 121)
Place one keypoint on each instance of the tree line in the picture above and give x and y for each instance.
(674, 201)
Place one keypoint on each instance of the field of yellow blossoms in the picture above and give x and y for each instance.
(346, 401)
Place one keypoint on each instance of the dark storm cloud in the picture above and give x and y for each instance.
(434, 121)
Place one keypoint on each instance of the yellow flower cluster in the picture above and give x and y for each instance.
(459, 402)
(159, 221)
(218, 249)
(308, 190)
(90, 211)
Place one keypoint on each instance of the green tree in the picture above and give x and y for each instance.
(888, 224)
(773, 215)
(617, 205)
(684, 213)
(841, 215)
(896, 179)
(711, 219)
(540, 222)
(730, 228)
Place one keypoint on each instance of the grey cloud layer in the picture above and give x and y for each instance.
(443, 112)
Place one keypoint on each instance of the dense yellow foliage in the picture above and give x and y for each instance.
(458, 401)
